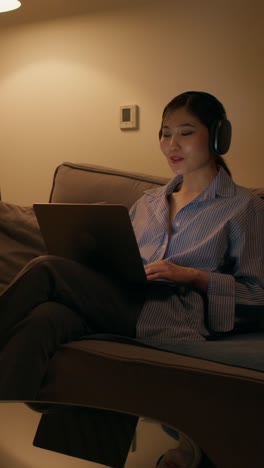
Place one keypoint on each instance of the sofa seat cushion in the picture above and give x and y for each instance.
(232, 350)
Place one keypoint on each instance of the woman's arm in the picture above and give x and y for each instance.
(245, 285)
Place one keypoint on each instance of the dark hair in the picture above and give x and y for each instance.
(205, 107)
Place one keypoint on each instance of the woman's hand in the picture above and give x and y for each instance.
(161, 269)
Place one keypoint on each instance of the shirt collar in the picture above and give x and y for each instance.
(222, 186)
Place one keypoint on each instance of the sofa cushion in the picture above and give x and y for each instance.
(20, 240)
(259, 192)
(87, 183)
(83, 183)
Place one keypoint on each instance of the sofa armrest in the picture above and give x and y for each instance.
(204, 399)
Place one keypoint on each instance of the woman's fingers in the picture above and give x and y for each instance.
(162, 269)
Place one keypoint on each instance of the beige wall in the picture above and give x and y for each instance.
(62, 82)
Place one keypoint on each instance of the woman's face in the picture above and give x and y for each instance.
(185, 143)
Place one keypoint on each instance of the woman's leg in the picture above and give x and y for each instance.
(53, 301)
(24, 359)
(105, 305)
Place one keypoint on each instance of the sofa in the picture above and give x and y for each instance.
(212, 391)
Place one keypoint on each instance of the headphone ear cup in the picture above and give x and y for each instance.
(220, 137)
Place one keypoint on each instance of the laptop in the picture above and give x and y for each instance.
(97, 235)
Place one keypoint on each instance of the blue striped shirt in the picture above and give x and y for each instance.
(221, 232)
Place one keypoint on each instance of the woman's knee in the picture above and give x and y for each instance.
(52, 323)
(41, 266)
(44, 261)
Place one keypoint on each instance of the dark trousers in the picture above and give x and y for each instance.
(51, 302)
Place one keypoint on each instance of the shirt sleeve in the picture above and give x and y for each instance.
(245, 286)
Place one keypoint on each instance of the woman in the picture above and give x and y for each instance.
(195, 233)
(201, 230)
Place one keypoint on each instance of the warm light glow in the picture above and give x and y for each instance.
(8, 5)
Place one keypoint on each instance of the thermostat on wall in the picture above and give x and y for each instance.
(129, 117)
